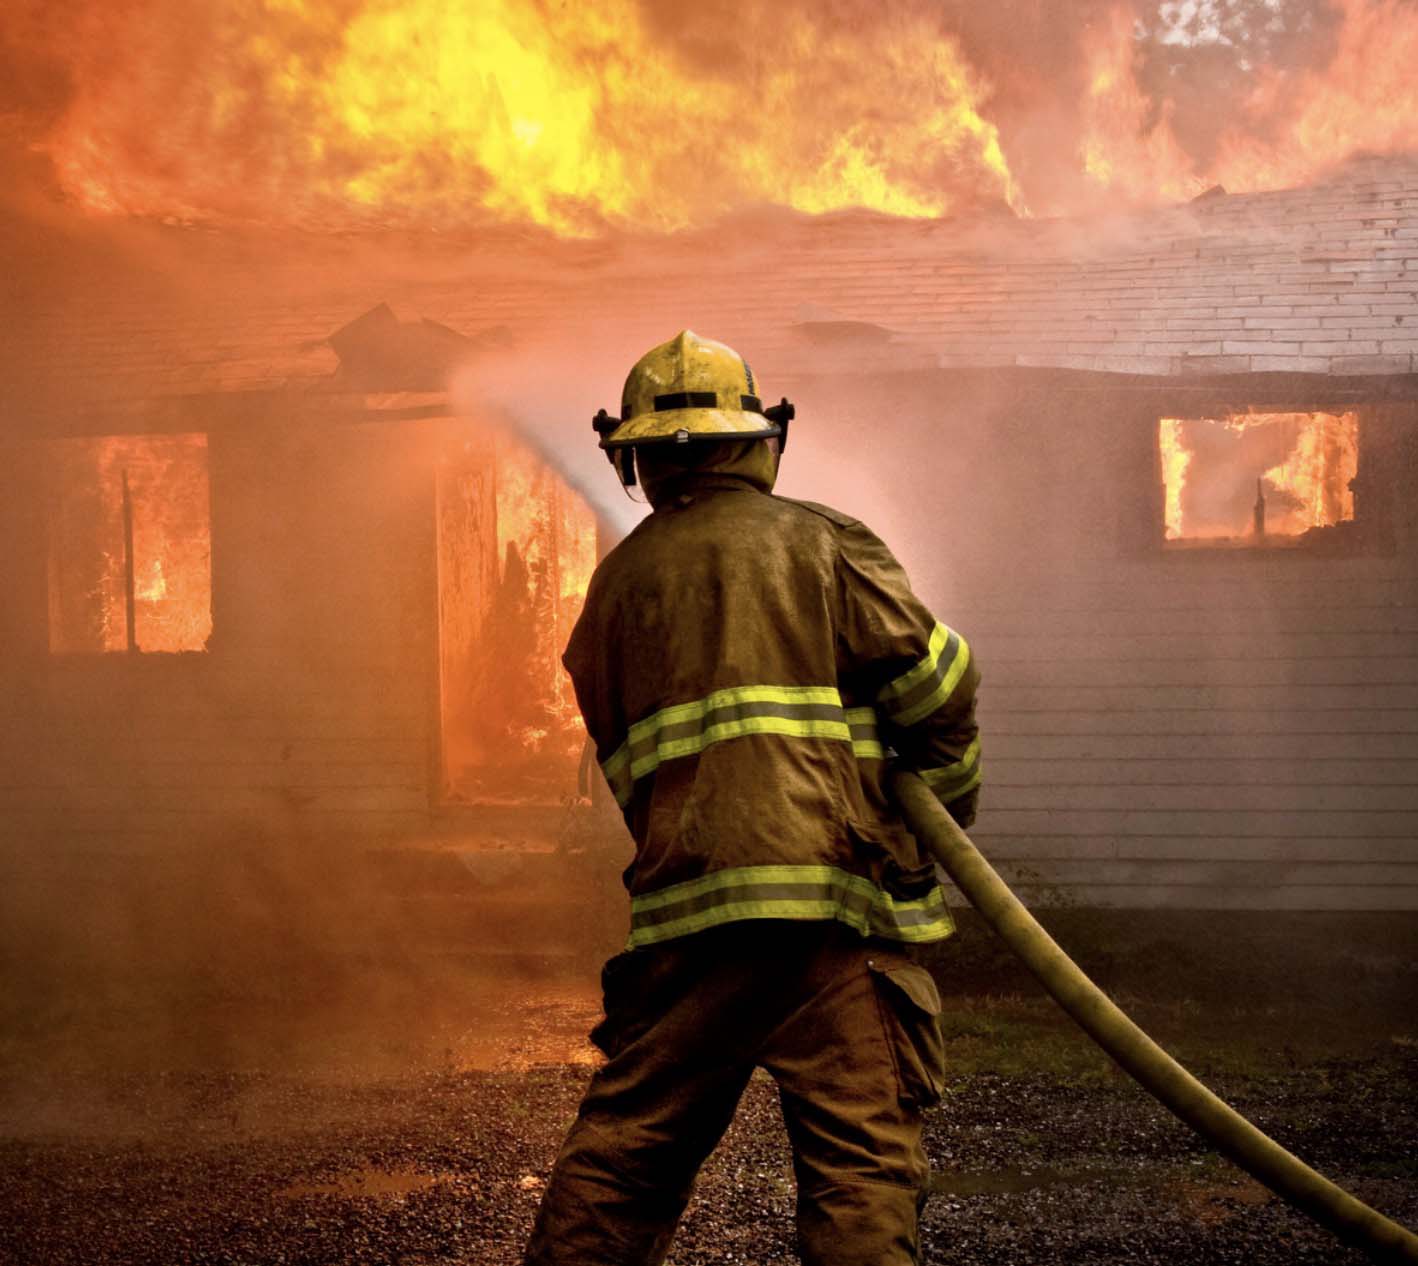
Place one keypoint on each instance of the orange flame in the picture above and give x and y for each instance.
(1313, 481)
(441, 114)
(516, 549)
(645, 114)
(1176, 457)
(1124, 148)
(1366, 99)
(1294, 125)
(554, 532)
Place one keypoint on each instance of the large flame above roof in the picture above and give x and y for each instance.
(656, 115)
(442, 113)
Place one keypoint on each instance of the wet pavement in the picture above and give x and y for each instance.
(1054, 1158)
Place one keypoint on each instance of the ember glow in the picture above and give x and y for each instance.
(167, 518)
(1225, 478)
(516, 549)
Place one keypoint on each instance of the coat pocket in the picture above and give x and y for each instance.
(910, 1012)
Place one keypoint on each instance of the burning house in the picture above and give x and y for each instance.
(1103, 315)
(300, 497)
(293, 563)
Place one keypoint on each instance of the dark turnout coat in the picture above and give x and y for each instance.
(745, 664)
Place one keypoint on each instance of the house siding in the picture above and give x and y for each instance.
(1226, 729)
(311, 712)
(1191, 730)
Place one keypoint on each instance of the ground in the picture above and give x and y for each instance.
(413, 1132)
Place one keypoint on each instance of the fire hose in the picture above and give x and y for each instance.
(1160, 1075)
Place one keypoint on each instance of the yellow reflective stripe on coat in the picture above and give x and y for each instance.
(617, 771)
(951, 781)
(685, 729)
(915, 694)
(866, 743)
(786, 892)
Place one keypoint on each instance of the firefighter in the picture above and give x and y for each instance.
(745, 665)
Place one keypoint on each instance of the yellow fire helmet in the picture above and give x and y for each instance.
(689, 389)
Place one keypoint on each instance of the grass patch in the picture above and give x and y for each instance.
(1012, 1036)
(1015, 1035)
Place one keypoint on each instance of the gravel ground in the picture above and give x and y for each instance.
(1054, 1159)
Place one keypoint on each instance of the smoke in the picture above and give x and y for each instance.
(159, 949)
(173, 893)
(544, 395)
(279, 953)
(259, 945)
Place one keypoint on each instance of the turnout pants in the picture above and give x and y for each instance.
(848, 1028)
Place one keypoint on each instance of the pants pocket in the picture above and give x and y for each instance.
(637, 987)
(910, 1012)
(622, 988)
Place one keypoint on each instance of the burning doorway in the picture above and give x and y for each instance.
(1257, 479)
(516, 548)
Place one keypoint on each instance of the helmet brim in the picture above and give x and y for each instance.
(671, 426)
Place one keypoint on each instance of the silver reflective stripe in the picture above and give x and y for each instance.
(786, 892)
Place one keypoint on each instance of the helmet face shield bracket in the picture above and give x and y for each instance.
(622, 459)
(782, 413)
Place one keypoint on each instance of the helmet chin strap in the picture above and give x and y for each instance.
(624, 462)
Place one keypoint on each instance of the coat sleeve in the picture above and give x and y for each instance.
(591, 670)
(919, 675)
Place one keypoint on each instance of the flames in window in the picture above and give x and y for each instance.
(130, 544)
(1256, 478)
(516, 549)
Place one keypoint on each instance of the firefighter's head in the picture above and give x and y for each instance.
(692, 405)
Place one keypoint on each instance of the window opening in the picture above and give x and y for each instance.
(516, 548)
(1255, 480)
(130, 544)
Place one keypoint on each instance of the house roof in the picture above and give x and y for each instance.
(1321, 280)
